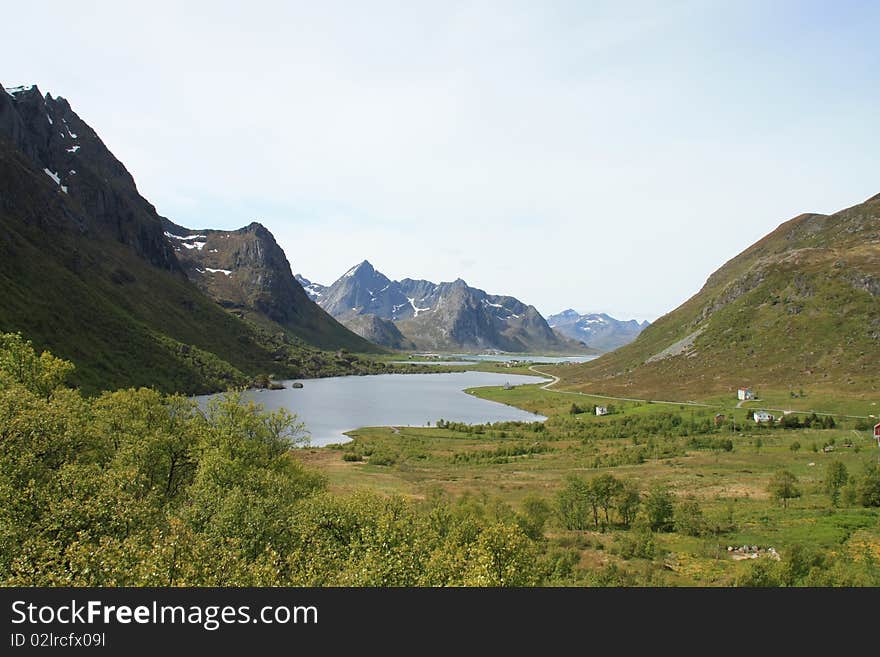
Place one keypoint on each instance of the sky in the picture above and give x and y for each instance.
(603, 156)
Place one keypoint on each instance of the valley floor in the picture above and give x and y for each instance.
(719, 478)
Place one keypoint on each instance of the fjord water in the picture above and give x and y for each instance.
(470, 359)
(500, 358)
(331, 406)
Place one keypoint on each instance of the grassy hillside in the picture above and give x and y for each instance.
(797, 311)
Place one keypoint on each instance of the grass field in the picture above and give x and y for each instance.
(511, 463)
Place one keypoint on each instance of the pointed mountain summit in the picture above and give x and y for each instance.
(363, 291)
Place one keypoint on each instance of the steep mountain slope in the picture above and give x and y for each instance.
(445, 316)
(246, 271)
(314, 290)
(72, 156)
(799, 309)
(379, 331)
(598, 330)
(87, 271)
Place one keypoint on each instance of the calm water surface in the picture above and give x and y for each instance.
(329, 407)
(529, 357)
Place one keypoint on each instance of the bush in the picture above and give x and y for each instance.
(383, 458)
(869, 486)
(659, 508)
(639, 542)
(689, 519)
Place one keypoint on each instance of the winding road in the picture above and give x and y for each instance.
(555, 380)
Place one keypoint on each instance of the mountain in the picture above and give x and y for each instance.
(379, 331)
(598, 330)
(314, 290)
(799, 309)
(87, 271)
(439, 316)
(246, 271)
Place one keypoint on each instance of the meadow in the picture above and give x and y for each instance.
(718, 475)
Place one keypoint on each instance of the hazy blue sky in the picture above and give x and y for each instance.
(601, 155)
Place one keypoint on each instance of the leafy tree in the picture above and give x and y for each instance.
(868, 489)
(659, 508)
(791, 422)
(573, 503)
(836, 477)
(605, 488)
(758, 573)
(19, 363)
(783, 486)
(688, 518)
(535, 513)
(639, 542)
(795, 446)
(628, 501)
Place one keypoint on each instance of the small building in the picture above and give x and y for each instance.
(719, 419)
(745, 394)
(762, 416)
(601, 410)
(877, 433)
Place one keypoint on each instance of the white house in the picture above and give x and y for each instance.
(762, 416)
(745, 394)
(601, 410)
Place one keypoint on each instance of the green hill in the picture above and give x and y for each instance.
(797, 311)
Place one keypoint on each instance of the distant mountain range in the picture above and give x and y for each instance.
(90, 271)
(797, 310)
(436, 316)
(598, 330)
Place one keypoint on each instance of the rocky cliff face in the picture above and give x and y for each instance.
(72, 156)
(596, 329)
(447, 316)
(247, 271)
